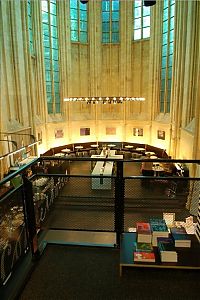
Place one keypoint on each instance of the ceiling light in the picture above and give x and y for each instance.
(104, 100)
(149, 3)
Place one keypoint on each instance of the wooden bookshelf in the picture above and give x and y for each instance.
(188, 258)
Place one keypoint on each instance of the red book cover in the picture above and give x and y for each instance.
(143, 228)
(144, 257)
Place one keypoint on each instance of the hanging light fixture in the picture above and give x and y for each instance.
(149, 3)
(103, 100)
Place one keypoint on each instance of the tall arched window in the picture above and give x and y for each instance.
(110, 21)
(79, 21)
(141, 20)
(167, 54)
(30, 26)
(50, 42)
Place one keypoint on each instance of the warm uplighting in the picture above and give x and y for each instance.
(104, 100)
(18, 150)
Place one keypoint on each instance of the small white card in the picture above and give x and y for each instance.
(132, 229)
(169, 218)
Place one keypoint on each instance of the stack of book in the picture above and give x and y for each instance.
(144, 252)
(180, 237)
(144, 247)
(159, 229)
(167, 250)
(144, 257)
(144, 234)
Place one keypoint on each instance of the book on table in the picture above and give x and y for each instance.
(144, 247)
(159, 229)
(143, 256)
(143, 232)
(167, 249)
(180, 237)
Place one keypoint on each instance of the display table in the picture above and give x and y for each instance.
(129, 146)
(104, 168)
(140, 149)
(66, 151)
(111, 145)
(149, 153)
(188, 258)
(78, 147)
(158, 169)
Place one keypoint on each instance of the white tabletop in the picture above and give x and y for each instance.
(111, 145)
(158, 168)
(153, 157)
(79, 147)
(94, 146)
(140, 149)
(97, 168)
(128, 146)
(108, 168)
(66, 150)
(149, 153)
(60, 154)
(98, 155)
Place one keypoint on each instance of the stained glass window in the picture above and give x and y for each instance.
(167, 55)
(51, 54)
(141, 20)
(30, 27)
(79, 21)
(110, 21)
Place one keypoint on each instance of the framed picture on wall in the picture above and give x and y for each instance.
(110, 131)
(161, 134)
(59, 133)
(84, 131)
(138, 131)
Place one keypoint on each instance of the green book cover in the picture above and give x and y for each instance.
(144, 247)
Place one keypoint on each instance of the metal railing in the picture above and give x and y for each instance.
(52, 198)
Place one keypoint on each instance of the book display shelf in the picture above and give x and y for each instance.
(188, 258)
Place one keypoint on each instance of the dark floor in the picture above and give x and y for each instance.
(80, 207)
(73, 272)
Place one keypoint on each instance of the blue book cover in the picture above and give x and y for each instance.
(166, 244)
(158, 225)
(179, 233)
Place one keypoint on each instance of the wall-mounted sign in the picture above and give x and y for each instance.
(84, 131)
(110, 131)
(161, 134)
(59, 133)
(138, 131)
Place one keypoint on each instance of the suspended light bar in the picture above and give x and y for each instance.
(104, 100)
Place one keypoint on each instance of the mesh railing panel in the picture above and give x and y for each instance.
(79, 206)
